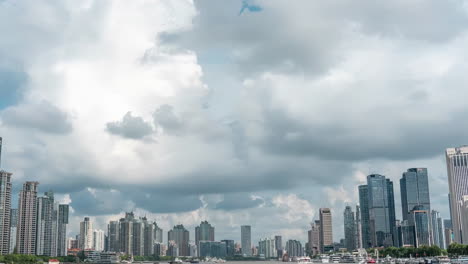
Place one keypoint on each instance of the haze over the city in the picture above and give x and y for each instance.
(237, 112)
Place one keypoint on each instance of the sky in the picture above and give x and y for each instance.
(236, 112)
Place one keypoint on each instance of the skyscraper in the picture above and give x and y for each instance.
(138, 237)
(294, 248)
(113, 236)
(391, 212)
(46, 215)
(414, 189)
(457, 172)
(13, 229)
(326, 230)
(181, 237)
(420, 219)
(358, 227)
(380, 212)
(365, 225)
(1, 142)
(246, 240)
(27, 217)
(349, 229)
(158, 236)
(5, 211)
(86, 234)
(126, 233)
(204, 232)
(266, 247)
(438, 235)
(230, 250)
(62, 223)
(98, 240)
(314, 237)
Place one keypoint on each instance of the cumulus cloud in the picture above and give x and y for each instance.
(240, 111)
(133, 127)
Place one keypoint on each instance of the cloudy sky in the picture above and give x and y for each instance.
(238, 113)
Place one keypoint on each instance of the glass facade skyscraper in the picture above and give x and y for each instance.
(380, 190)
(414, 188)
(349, 229)
(246, 240)
(365, 226)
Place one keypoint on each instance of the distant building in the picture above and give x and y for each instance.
(326, 230)
(294, 248)
(46, 225)
(414, 189)
(204, 232)
(381, 208)
(349, 229)
(172, 249)
(212, 249)
(246, 240)
(457, 172)
(314, 238)
(438, 235)
(13, 229)
(180, 236)
(357, 226)
(27, 217)
(72, 243)
(420, 219)
(365, 224)
(5, 212)
(266, 247)
(113, 236)
(230, 247)
(86, 234)
(62, 224)
(98, 240)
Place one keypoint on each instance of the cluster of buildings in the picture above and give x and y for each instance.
(37, 227)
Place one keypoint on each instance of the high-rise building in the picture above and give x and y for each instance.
(438, 230)
(380, 210)
(294, 248)
(98, 240)
(212, 249)
(113, 236)
(126, 233)
(230, 247)
(5, 211)
(391, 212)
(349, 229)
(86, 234)
(13, 229)
(407, 234)
(365, 224)
(414, 189)
(358, 231)
(326, 230)
(27, 217)
(457, 172)
(149, 237)
(279, 246)
(158, 233)
(46, 225)
(266, 248)
(246, 240)
(138, 237)
(1, 152)
(181, 237)
(420, 218)
(314, 238)
(62, 223)
(204, 232)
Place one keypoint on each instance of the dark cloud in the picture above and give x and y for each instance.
(133, 127)
(42, 116)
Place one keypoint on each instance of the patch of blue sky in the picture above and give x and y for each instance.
(11, 87)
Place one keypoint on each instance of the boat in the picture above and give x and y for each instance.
(460, 260)
(176, 261)
(324, 259)
(442, 260)
(348, 258)
(371, 261)
(335, 258)
(303, 260)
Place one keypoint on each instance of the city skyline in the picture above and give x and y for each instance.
(184, 111)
